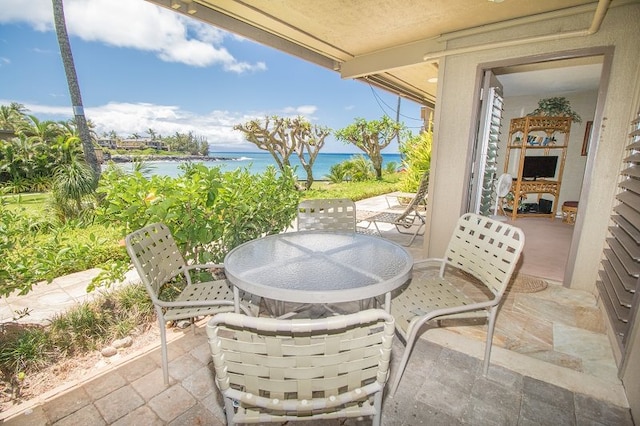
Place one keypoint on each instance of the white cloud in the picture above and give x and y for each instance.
(306, 111)
(37, 13)
(128, 118)
(136, 25)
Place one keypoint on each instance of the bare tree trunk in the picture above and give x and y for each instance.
(74, 88)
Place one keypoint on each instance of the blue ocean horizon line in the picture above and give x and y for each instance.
(221, 153)
(258, 162)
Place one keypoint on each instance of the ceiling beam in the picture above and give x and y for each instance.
(388, 59)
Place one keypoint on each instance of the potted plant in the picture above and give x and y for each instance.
(556, 107)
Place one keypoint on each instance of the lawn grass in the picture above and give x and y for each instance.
(356, 191)
(34, 204)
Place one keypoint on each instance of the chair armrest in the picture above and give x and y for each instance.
(187, 269)
(195, 303)
(442, 262)
(205, 266)
(429, 260)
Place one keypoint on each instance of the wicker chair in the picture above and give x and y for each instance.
(411, 220)
(332, 214)
(481, 247)
(271, 370)
(158, 261)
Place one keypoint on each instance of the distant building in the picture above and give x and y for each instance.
(132, 144)
(107, 143)
(141, 144)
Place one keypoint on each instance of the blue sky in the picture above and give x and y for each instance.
(141, 66)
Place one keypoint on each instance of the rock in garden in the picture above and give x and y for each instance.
(122, 343)
(109, 351)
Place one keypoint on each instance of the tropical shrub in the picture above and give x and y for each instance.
(209, 212)
(360, 168)
(357, 169)
(337, 172)
(41, 252)
(416, 153)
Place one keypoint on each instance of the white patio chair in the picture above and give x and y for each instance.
(164, 272)
(411, 220)
(329, 214)
(271, 370)
(484, 248)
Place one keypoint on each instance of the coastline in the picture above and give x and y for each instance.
(255, 162)
(125, 158)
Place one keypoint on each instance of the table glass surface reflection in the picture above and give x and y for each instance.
(318, 267)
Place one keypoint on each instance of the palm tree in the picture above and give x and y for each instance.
(74, 89)
(39, 132)
(12, 116)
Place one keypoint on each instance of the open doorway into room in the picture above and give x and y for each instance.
(520, 87)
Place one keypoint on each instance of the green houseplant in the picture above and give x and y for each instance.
(556, 106)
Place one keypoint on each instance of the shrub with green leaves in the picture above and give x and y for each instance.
(416, 153)
(32, 254)
(209, 212)
(356, 169)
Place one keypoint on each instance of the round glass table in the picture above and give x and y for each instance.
(318, 267)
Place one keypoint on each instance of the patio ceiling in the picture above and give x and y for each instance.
(383, 42)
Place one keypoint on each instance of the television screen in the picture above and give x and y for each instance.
(539, 167)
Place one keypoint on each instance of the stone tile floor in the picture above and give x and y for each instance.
(442, 386)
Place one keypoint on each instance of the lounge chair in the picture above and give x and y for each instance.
(411, 220)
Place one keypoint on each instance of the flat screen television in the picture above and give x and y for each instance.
(539, 167)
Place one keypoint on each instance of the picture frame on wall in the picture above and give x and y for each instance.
(587, 137)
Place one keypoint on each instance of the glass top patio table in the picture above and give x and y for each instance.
(319, 267)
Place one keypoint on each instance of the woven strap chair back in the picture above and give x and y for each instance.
(155, 255)
(278, 370)
(421, 194)
(487, 249)
(335, 214)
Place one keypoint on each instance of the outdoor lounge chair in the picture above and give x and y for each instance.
(410, 221)
(160, 264)
(329, 214)
(485, 249)
(272, 370)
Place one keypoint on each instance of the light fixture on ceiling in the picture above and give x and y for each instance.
(175, 4)
(496, 1)
(432, 80)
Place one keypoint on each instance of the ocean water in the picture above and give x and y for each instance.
(257, 162)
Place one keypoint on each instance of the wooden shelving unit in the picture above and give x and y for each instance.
(536, 136)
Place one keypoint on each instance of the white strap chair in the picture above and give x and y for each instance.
(163, 271)
(329, 214)
(486, 249)
(271, 370)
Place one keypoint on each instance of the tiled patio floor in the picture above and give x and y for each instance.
(442, 386)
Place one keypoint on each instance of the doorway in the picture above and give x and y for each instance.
(578, 77)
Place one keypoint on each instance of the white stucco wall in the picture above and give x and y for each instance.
(454, 127)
